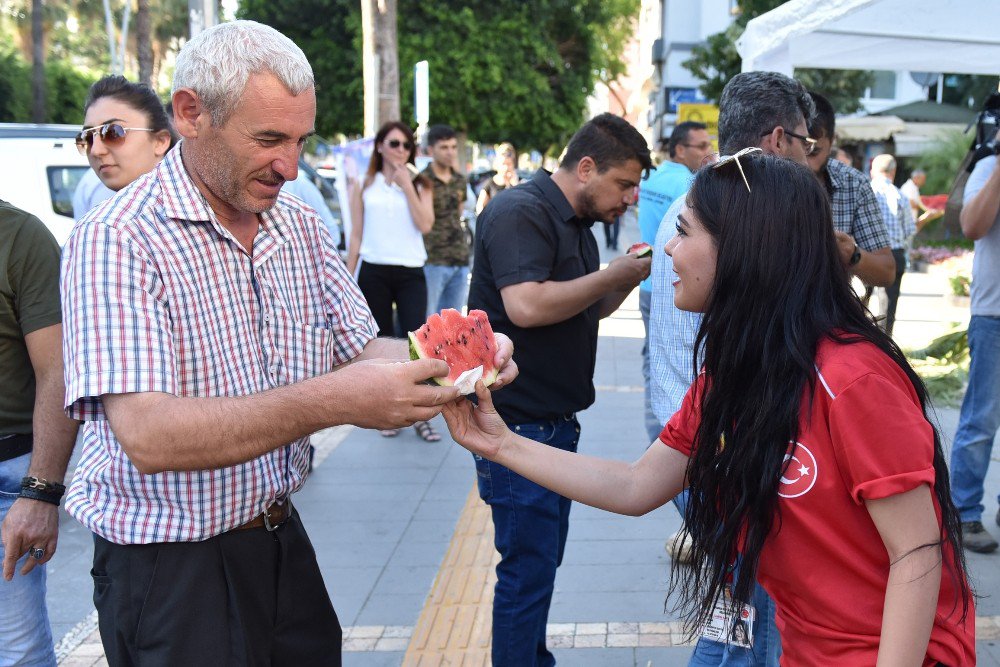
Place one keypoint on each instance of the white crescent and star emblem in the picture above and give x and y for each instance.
(800, 472)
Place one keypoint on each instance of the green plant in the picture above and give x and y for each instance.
(960, 282)
(944, 366)
(942, 160)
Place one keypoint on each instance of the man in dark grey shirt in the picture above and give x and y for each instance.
(536, 276)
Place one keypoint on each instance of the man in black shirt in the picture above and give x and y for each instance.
(536, 276)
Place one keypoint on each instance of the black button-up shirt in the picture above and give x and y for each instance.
(530, 233)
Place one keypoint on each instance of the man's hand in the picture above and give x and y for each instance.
(30, 524)
(504, 360)
(393, 394)
(628, 271)
(845, 245)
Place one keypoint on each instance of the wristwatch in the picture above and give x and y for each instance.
(855, 256)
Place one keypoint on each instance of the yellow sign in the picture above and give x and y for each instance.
(702, 113)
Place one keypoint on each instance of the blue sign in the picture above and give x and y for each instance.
(677, 96)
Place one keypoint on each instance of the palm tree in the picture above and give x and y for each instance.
(38, 61)
(144, 44)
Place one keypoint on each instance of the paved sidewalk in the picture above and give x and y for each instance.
(382, 514)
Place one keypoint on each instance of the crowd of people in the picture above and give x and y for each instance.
(203, 324)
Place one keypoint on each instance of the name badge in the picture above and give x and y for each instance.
(728, 627)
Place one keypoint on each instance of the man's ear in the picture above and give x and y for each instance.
(773, 141)
(585, 169)
(188, 110)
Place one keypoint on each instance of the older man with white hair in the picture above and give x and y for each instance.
(899, 225)
(210, 327)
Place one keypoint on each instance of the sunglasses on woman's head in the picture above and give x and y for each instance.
(729, 159)
(113, 134)
(396, 143)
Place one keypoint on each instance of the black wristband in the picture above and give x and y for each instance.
(42, 484)
(37, 494)
(855, 256)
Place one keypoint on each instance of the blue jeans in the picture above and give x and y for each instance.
(979, 419)
(766, 641)
(531, 524)
(447, 287)
(25, 635)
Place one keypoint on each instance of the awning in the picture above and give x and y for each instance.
(956, 36)
(869, 128)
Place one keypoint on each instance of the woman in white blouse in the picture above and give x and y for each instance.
(390, 213)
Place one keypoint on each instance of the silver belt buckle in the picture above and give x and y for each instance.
(271, 527)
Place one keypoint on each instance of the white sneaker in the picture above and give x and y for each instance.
(680, 548)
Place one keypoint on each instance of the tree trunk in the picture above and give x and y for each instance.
(385, 49)
(144, 43)
(380, 63)
(37, 61)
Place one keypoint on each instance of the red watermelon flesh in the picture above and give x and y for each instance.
(464, 343)
(640, 249)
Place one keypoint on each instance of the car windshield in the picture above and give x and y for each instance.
(62, 185)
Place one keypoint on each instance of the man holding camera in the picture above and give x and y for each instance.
(980, 416)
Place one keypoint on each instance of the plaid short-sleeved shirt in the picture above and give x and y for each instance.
(855, 210)
(159, 297)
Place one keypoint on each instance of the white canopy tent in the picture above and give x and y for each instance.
(956, 36)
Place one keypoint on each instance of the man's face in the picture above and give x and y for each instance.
(824, 144)
(693, 151)
(919, 180)
(244, 162)
(445, 152)
(607, 195)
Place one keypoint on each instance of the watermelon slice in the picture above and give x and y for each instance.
(640, 250)
(466, 344)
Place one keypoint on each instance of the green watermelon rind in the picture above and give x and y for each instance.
(645, 252)
(488, 379)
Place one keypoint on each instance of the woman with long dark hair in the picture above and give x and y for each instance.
(805, 439)
(390, 213)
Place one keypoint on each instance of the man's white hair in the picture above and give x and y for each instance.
(217, 63)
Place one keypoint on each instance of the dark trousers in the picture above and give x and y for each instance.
(385, 285)
(531, 524)
(246, 597)
(892, 291)
(611, 233)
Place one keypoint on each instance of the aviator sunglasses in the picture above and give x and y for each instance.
(112, 134)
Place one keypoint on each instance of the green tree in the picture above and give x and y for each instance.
(964, 90)
(333, 46)
(15, 86)
(499, 70)
(717, 61)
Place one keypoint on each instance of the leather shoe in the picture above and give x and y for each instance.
(975, 538)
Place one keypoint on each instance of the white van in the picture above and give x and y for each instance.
(40, 167)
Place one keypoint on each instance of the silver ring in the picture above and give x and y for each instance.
(36, 553)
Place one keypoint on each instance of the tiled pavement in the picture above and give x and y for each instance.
(382, 515)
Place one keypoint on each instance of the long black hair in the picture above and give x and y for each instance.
(780, 288)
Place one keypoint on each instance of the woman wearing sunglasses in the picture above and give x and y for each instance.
(389, 216)
(126, 131)
(805, 439)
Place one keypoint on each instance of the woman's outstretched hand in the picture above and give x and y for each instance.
(477, 428)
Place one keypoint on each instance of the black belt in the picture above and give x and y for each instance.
(15, 445)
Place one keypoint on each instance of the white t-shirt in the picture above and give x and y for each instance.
(390, 237)
(985, 288)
